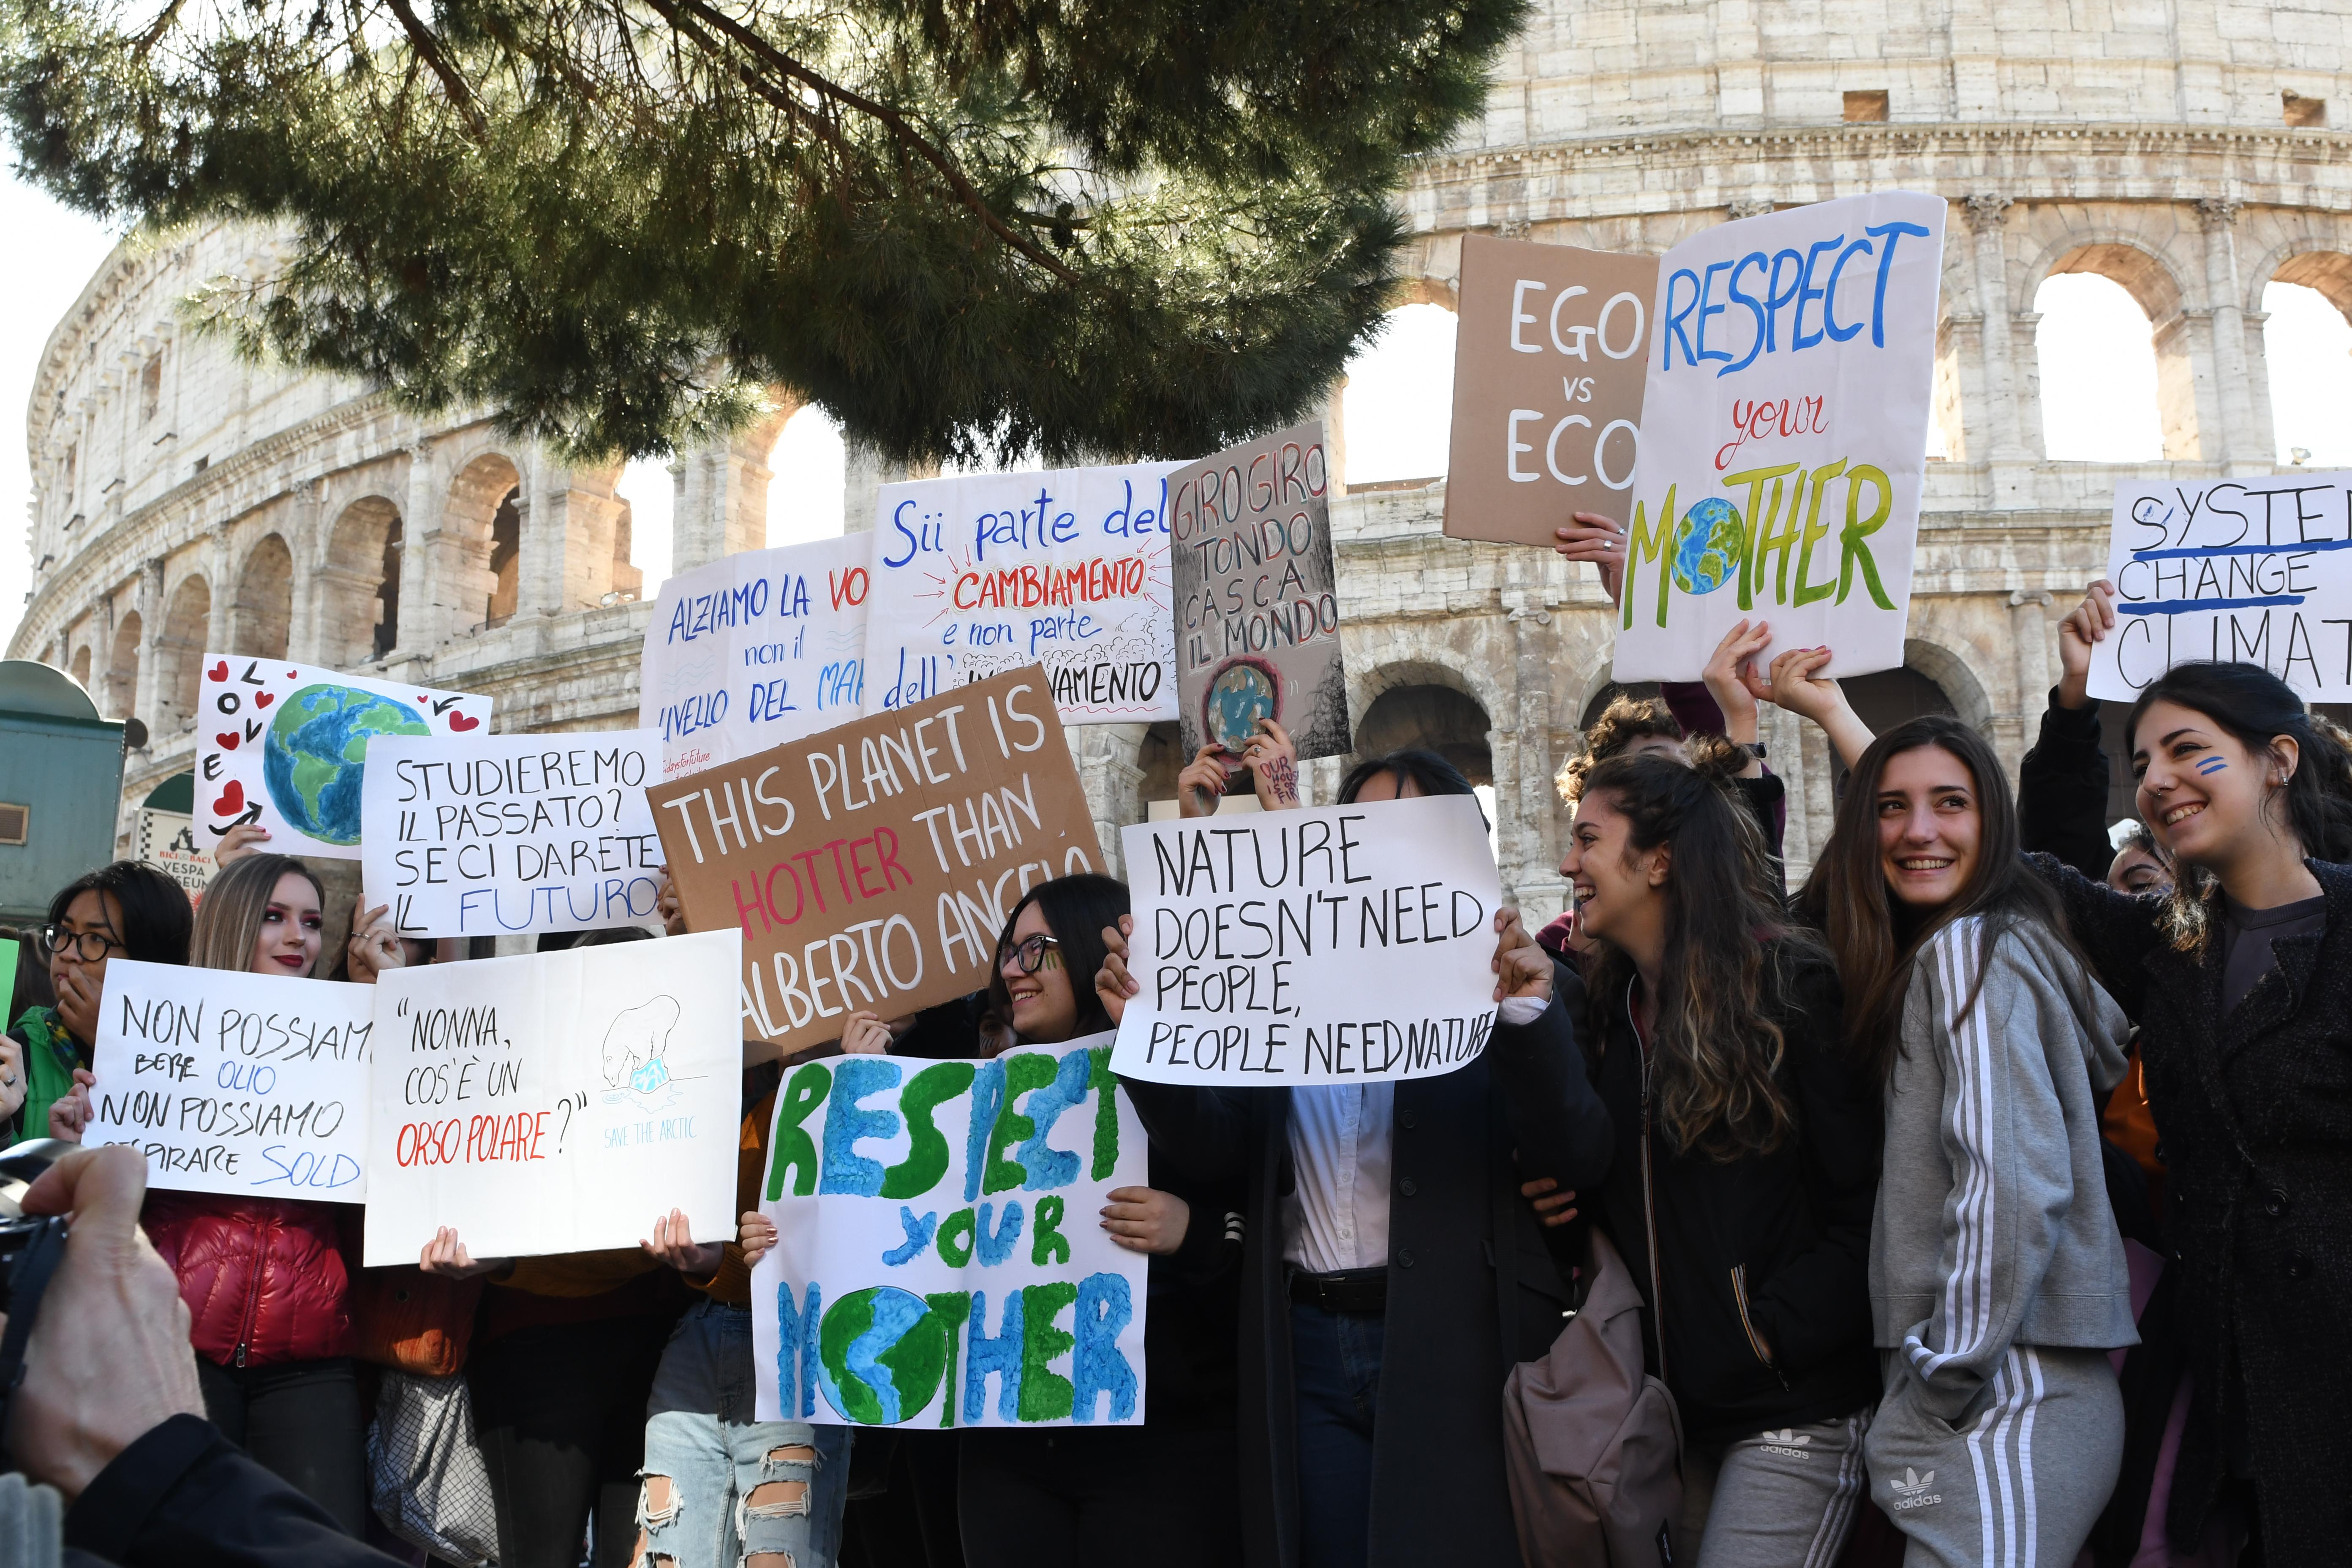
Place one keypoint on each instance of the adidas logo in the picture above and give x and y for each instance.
(1788, 1444)
(1911, 1491)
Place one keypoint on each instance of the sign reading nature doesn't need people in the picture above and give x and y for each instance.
(1341, 944)
(939, 1258)
(872, 866)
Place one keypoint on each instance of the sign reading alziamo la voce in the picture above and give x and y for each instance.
(1784, 437)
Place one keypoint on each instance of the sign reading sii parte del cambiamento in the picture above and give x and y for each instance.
(938, 1261)
(1784, 436)
(232, 1082)
(755, 649)
(872, 866)
(1341, 944)
(500, 835)
(2258, 570)
(982, 574)
(1257, 600)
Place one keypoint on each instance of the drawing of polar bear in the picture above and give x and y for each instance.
(635, 1044)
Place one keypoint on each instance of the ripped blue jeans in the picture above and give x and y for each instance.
(719, 1488)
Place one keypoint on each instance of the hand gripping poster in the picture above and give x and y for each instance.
(285, 745)
(938, 1261)
(755, 650)
(1784, 437)
(1257, 604)
(981, 574)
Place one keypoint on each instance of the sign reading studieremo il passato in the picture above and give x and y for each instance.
(1784, 436)
(2253, 570)
(1341, 944)
(939, 1258)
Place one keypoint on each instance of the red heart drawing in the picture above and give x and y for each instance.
(421, 697)
(227, 741)
(265, 700)
(293, 675)
(460, 723)
(218, 671)
(232, 800)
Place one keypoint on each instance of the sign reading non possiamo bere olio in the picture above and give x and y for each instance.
(871, 866)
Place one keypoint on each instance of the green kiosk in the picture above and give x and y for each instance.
(61, 787)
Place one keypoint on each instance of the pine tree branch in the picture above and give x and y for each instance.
(777, 60)
(461, 97)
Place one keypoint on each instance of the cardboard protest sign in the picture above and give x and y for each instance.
(233, 1083)
(1548, 366)
(498, 834)
(755, 649)
(978, 576)
(555, 1102)
(937, 1234)
(1340, 945)
(1257, 604)
(1784, 437)
(872, 866)
(2246, 569)
(286, 745)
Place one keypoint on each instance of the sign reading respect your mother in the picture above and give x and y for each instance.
(872, 866)
(1343, 945)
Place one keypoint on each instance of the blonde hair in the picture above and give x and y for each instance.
(228, 922)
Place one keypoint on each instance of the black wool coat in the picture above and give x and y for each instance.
(1471, 1286)
(2254, 1111)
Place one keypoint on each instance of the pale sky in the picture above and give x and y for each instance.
(2098, 386)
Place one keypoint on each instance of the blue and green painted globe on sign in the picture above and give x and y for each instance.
(311, 757)
(881, 1354)
(1709, 543)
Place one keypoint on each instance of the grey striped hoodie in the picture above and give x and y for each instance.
(1994, 1227)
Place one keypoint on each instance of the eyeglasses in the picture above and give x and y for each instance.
(57, 939)
(1028, 952)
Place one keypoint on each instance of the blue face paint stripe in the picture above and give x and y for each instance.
(2211, 765)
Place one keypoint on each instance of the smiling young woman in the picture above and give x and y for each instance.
(2240, 982)
(1997, 1275)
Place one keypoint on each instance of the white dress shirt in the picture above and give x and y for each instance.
(1341, 1150)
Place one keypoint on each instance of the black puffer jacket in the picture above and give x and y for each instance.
(1769, 1250)
(2254, 1108)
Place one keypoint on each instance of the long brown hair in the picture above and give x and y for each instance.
(1848, 897)
(228, 922)
(1717, 1048)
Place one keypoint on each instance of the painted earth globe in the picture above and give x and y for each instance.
(1708, 544)
(311, 758)
(881, 1354)
(1242, 694)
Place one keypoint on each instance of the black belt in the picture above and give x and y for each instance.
(1349, 1291)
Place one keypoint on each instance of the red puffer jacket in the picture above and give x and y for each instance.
(264, 1279)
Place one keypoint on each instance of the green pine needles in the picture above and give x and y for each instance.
(969, 229)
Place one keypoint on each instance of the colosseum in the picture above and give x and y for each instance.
(187, 500)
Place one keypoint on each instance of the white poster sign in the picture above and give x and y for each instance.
(978, 576)
(1784, 436)
(1341, 944)
(502, 835)
(233, 1083)
(286, 745)
(556, 1101)
(755, 650)
(2238, 570)
(168, 839)
(939, 1261)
